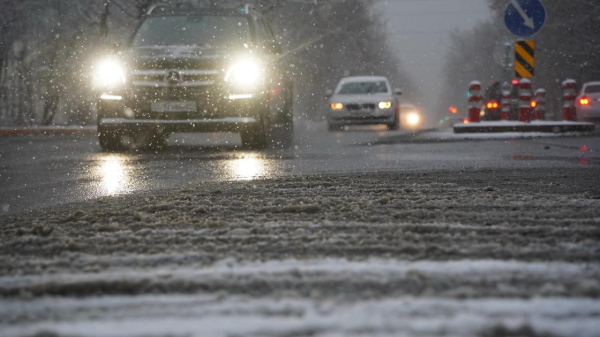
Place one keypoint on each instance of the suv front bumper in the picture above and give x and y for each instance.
(375, 117)
(125, 125)
(133, 115)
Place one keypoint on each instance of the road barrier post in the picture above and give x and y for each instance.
(474, 102)
(505, 105)
(525, 100)
(540, 107)
(569, 95)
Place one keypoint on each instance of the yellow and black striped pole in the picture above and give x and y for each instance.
(525, 59)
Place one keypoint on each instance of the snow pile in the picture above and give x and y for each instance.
(236, 316)
(421, 254)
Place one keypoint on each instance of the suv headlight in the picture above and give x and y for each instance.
(245, 74)
(109, 74)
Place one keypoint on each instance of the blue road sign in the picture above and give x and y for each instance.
(524, 17)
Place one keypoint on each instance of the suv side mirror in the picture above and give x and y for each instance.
(275, 48)
(328, 93)
(397, 92)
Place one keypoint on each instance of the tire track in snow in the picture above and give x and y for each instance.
(425, 254)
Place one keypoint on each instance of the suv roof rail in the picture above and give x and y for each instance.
(156, 6)
(247, 9)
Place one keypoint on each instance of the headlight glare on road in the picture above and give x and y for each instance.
(337, 106)
(246, 74)
(385, 105)
(413, 119)
(109, 74)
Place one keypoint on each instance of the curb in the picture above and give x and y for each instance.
(85, 130)
(549, 127)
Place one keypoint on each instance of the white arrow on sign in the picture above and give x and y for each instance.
(528, 21)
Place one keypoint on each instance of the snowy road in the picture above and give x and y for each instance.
(355, 233)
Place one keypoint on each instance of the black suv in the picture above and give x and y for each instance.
(200, 70)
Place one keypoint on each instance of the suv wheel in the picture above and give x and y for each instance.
(256, 136)
(109, 140)
(157, 141)
(283, 134)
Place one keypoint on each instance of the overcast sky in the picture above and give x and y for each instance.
(420, 30)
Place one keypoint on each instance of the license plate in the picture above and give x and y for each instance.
(174, 106)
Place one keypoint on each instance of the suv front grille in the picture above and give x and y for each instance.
(174, 78)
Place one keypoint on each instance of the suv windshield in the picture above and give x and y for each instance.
(363, 88)
(193, 30)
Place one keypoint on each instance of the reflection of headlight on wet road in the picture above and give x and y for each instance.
(114, 178)
(245, 74)
(247, 168)
(413, 119)
(109, 74)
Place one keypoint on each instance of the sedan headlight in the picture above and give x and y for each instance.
(385, 105)
(245, 74)
(413, 119)
(109, 74)
(337, 106)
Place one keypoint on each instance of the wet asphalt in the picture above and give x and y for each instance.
(41, 172)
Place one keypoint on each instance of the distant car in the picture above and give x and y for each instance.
(410, 117)
(490, 111)
(363, 100)
(588, 102)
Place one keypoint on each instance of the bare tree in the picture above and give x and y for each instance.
(325, 41)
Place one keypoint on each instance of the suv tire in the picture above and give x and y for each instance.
(157, 141)
(253, 137)
(109, 140)
(283, 134)
(256, 136)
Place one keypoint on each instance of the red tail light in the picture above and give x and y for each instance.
(492, 105)
(515, 81)
(584, 101)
